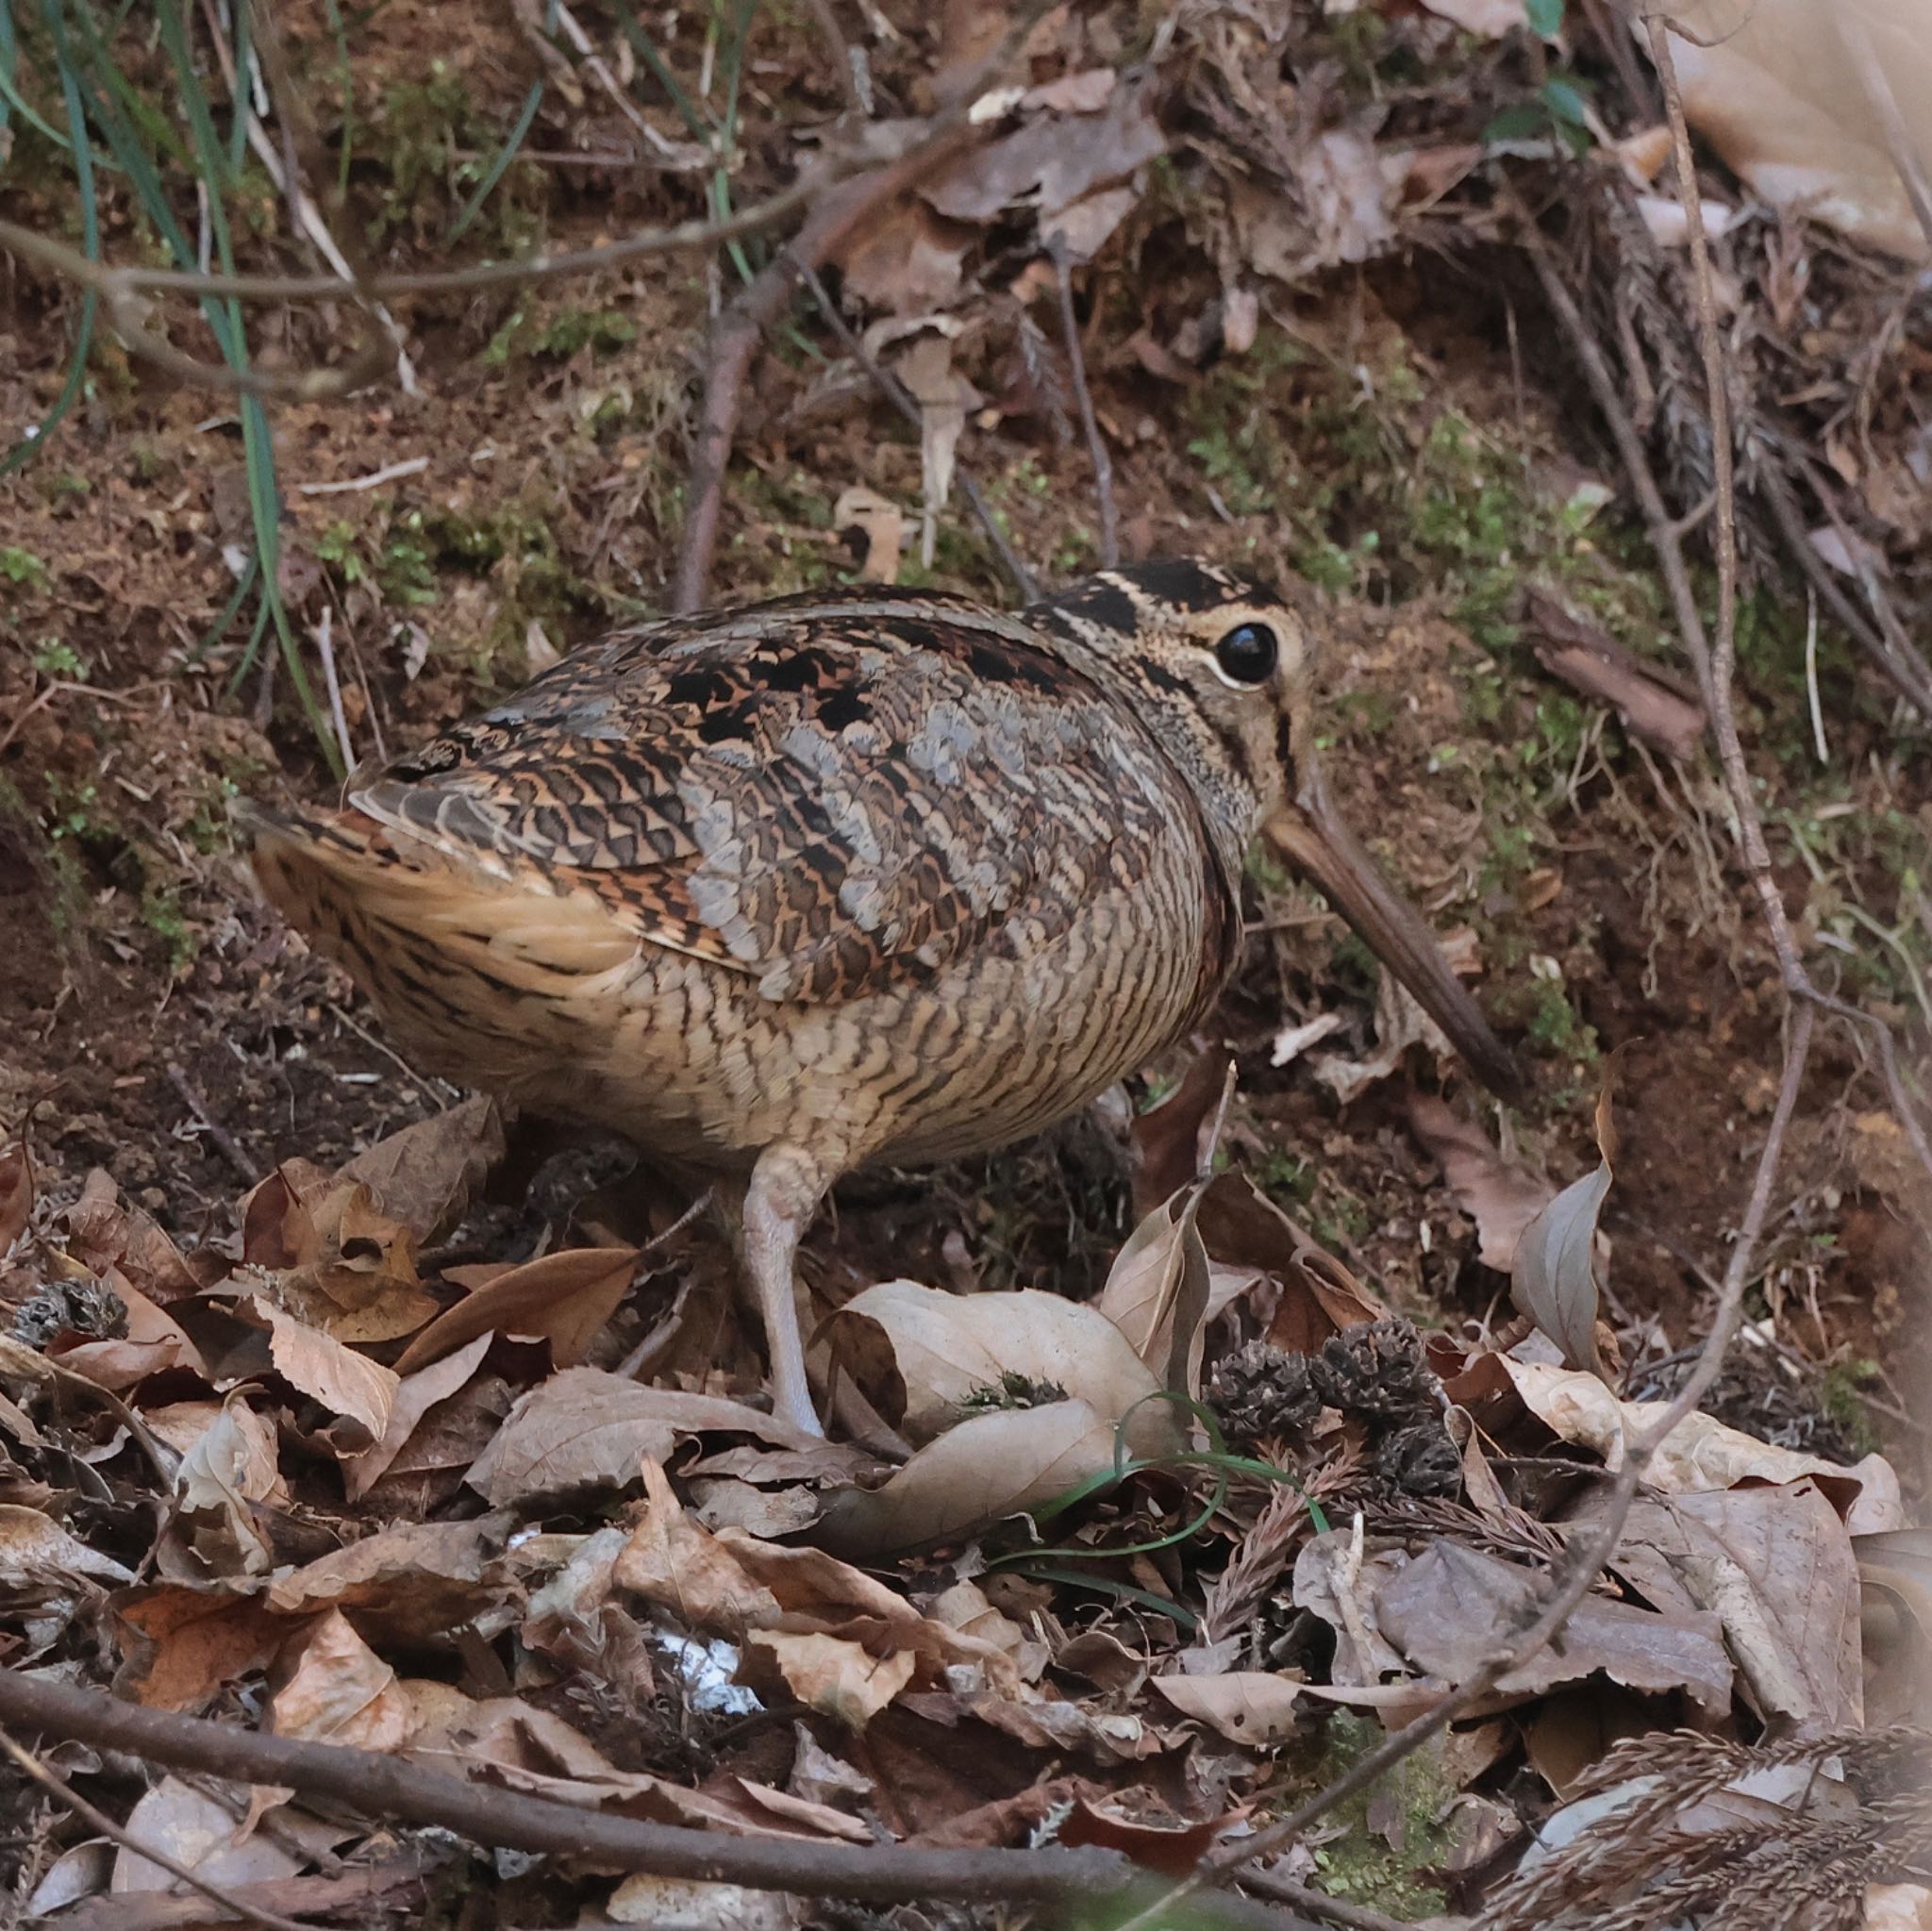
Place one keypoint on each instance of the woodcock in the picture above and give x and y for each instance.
(867, 876)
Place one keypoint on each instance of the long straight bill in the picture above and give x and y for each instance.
(1315, 842)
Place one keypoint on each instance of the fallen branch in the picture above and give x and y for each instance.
(1089, 1881)
(121, 284)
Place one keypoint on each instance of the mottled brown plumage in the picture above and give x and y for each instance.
(868, 876)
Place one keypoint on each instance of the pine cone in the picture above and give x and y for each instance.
(1259, 1392)
(1420, 1459)
(1376, 1369)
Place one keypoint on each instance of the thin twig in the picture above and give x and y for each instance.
(58, 1787)
(1096, 444)
(389, 473)
(1910, 677)
(907, 404)
(1664, 536)
(305, 156)
(681, 238)
(1318, 1903)
(325, 650)
(225, 1142)
(1090, 1880)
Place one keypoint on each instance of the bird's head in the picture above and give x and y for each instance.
(1223, 667)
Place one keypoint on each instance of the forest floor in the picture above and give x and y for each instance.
(1397, 430)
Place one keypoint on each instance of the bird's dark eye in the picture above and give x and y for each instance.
(1247, 654)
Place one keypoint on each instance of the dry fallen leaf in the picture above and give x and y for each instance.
(1775, 87)
(1553, 1273)
(988, 1468)
(1451, 1607)
(879, 524)
(345, 1382)
(1775, 1565)
(867, 1640)
(198, 1831)
(334, 1689)
(584, 1428)
(1157, 1292)
(1255, 1707)
(427, 1174)
(566, 1298)
(16, 1194)
(923, 1356)
(1701, 1453)
(1500, 1197)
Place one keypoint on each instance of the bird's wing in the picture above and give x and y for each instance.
(830, 797)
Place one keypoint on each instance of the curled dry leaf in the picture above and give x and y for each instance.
(987, 1469)
(1777, 88)
(415, 1395)
(1242, 1228)
(341, 1264)
(154, 1342)
(566, 1298)
(1173, 1142)
(196, 1830)
(36, 1553)
(1451, 1607)
(229, 1468)
(1700, 1453)
(408, 1583)
(1157, 1292)
(180, 1644)
(878, 524)
(1896, 1575)
(923, 1356)
(1775, 1566)
(334, 1689)
(105, 1233)
(833, 1674)
(736, 1585)
(1553, 1275)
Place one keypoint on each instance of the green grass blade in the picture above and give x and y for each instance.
(29, 446)
(504, 157)
(348, 79)
(700, 125)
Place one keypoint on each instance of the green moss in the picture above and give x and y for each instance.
(559, 336)
(55, 658)
(161, 912)
(23, 567)
(1357, 1862)
(1842, 1396)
